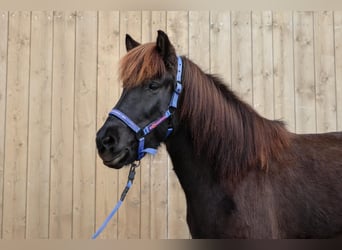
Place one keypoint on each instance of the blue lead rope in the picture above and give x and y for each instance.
(131, 176)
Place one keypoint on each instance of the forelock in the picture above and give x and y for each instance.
(140, 64)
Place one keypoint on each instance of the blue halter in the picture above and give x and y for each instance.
(142, 132)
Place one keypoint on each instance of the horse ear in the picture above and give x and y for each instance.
(164, 46)
(130, 43)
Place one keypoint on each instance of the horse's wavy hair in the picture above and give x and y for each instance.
(140, 64)
(227, 129)
(233, 136)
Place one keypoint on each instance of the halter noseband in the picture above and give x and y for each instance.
(142, 132)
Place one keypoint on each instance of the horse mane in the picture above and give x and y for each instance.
(224, 128)
(233, 136)
(139, 64)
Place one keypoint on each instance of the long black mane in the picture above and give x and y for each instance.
(226, 128)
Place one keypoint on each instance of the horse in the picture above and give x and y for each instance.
(244, 176)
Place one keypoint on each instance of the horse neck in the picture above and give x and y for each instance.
(192, 170)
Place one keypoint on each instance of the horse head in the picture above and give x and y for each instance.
(144, 114)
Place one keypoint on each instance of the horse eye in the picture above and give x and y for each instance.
(153, 85)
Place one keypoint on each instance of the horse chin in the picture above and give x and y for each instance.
(119, 160)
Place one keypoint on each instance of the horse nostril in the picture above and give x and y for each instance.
(108, 141)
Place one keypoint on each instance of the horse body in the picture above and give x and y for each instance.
(295, 198)
(244, 176)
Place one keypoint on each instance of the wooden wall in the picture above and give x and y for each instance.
(58, 80)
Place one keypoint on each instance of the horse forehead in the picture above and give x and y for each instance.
(135, 69)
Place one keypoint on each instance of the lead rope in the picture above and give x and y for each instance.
(131, 176)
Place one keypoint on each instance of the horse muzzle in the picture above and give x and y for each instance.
(115, 146)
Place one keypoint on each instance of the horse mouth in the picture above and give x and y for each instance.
(117, 159)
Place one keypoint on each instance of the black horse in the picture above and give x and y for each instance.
(243, 176)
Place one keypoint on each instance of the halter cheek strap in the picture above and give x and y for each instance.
(142, 132)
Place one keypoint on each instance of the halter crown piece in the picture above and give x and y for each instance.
(142, 132)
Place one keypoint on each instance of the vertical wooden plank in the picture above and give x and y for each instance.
(199, 39)
(220, 45)
(284, 103)
(14, 210)
(107, 96)
(61, 183)
(147, 32)
(263, 89)
(3, 88)
(159, 162)
(325, 71)
(242, 55)
(177, 26)
(338, 66)
(159, 194)
(304, 72)
(85, 124)
(38, 182)
(147, 35)
(177, 30)
(154, 169)
(129, 214)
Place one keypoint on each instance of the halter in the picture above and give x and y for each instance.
(142, 132)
